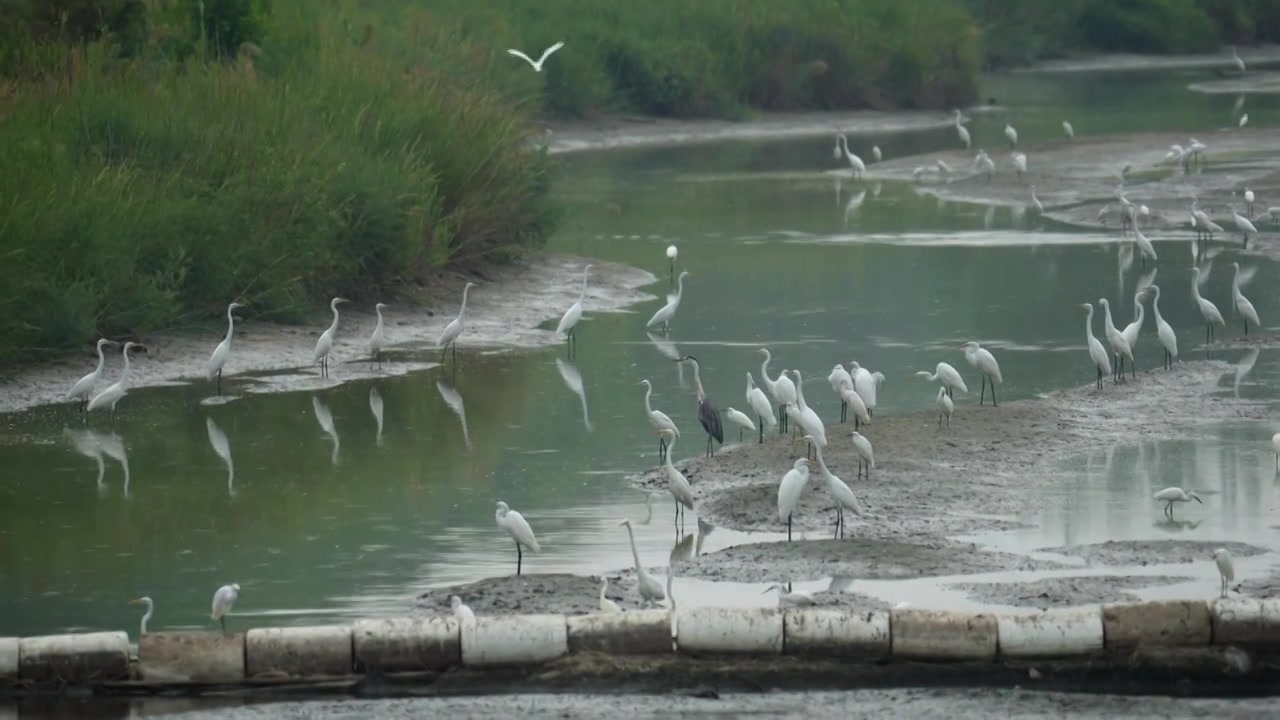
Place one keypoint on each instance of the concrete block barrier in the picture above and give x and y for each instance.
(836, 633)
(1172, 622)
(514, 640)
(729, 630)
(942, 635)
(79, 658)
(640, 632)
(1235, 622)
(1052, 633)
(298, 651)
(191, 657)
(9, 659)
(407, 644)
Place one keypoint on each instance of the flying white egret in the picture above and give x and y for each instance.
(1070, 131)
(841, 495)
(569, 323)
(946, 374)
(855, 162)
(1035, 201)
(607, 605)
(1239, 63)
(867, 385)
(658, 419)
(853, 401)
(1019, 162)
(962, 131)
(1171, 495)
(790, 598)
(650, 589)
(742, 420)
(537, 65)
(673, 253)
(109, 397)
(759, 404)
(220, 354)
(1119, 348)
(223, 599)
(1012, 134)
(1097, 354)
(449, 336)
(1243, 225)
(668, 311)
(1243, 306)
(782, 389)
(808, 420)
(377, 340)
(460, 609)
(794, 481)
(84, 386)
(1226, 568)
(866, 457)
(324, 344)
(677, 483)
(1164, 330)
(1275, 445)
(1208, 310)
(151, 608)
(708, 415)
(945, 407)
(985, 363)
(514, 524)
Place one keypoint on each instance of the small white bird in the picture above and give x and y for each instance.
(607, 605)
(1248, 201)
(514, 524)
(741, 420)
(1208, 310)
(795, 480)
(449, 336)
(862, 448)
(677, 483)
(1171, 495)
(782, 389)
(808, 420)
(650, 588)
(220, 354)
(1035, 201)
(223, 599)
(946, 374)
(851, 400)
(945, 407)
(962, 131)
(668, 311)
(1070, 131)
(1132, 331)
(460, 611)
(1012, 134)
(672, 254)
(1097, 354)
(569, 323)
(150, 606)
(1226, 568)
(1164, 330)
(982, 359)
(867, 384)
(759, 405)
(376, 340)
(840, 493)
(1243, 306)
(875, 153)
(1119, 347)
(659, 420)
(1020, 162)
(1243, 224)
(1244, 120)
(790, 598)
(537, 66)
(109, 397)
(324, 344)
(84, 386)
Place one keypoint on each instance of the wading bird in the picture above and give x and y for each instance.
(220, 354)
(150, 606)
(1226, 569)
(460, 610)
(514, 524)
(672, 253)
(708, 415)
(1243, 306)
(741, 419)
(962, 131)
(668, 311)
(841, 495)
(677, 483)
(853, 401)
(790, 598)
(449, 336)
(109, 397)
(1035, 201)
(1164, 330)
(1248, 201)
(985, 363)
(606, 605)
(862, 448)
(946, 374)
(1019, 162)
(1097, 354)
(659, 420)
(223, 599)
(1243, 225)
(1208, 310)
(1119, 348)
(838, 378)
(782, 389)
(1171, 495)
(810, 424)
(1012, 134)
(537, 65)
(1070, 131)
(569, 323)
(1236, 57)
(759, 404)
(377, 340)
(324, 345)
(945, 407)
(793, 483)
(855, 162)
(1133, 330)
(650, 589)
(84, 386)
(867, 385)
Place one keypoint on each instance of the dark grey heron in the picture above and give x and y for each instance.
(708, 415)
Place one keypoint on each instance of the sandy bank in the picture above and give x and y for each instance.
(1260, 55)
(509, 309)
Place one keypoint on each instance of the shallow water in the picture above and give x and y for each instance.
(352, 500)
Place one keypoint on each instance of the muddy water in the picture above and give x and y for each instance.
(354, 500)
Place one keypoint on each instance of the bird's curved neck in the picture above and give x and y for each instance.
(648, 390)
(1088, 321)
(124, 374)
(680, 287)
(102, 360)
(333, 326)
(463, 310)
(583, 295)
(697, 382)
(800, 403)
(231, 325)
(670, 443)
(635, 554)
(379, 311)
(764, 369)
(603, 586)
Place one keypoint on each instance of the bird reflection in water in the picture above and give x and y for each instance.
(222, 447)
(573, 380)
(668, 348)
(684, 549)
(375, 407)
(325, 418)
(1176, 526)
(1242, 369)
(96, 446)
(454, 401)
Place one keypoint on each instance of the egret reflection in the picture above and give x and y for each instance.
(454, 401)
(325, 418)
(222, 447)
(375, 407)
(1243, 368)
(667, 347)
(113, 446)
(683, 549)
(85, 442)
(573, 380)
(855, 202)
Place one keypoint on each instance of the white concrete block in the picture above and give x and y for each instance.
(1052, 633)
(638, 632)
(407, 643)
(942, 634)
(1182, 623)
(195, 657)
(1241, 622)
(729, 630)
(298, 651)
(834, 632)
(9, 655)
(514, 639)
(77, 658)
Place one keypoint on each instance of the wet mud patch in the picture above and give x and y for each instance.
(532, 593)
(1155, 552)
(1064, 592)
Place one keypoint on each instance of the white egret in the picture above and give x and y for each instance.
(1019, 162)
(853, 401)
(794, 481)
(1119, 347)
(650, 589)
(875, 153)
(668, 311)
(1208, 310)
(962, 131)
(946, 374)
(790, 598)
(840, 492)
(1171, 495)
(808, 420)
(223, 599)
(1012, 134)
(1070, 131)
(537, 64)
(606, 605)
(945, 407)
(1248, 201)
(862, 448)
(985, 363)
(1244, 120)
(708, 415)
(987, 165)
(1226, 568)
(742, 420)
(569, 323)
(1243, 225)
(377, 340)
(1097, 354)
(324, 345)
(1164, 330)
(1239, 63)
(1035, 201)
(1195, 149)
(867, 385)
(109, 397)
(944, 170)
(782, 389)
(673, 253)
(460, 609)
(759, 404)
(449, 336)
(855, 162)
(1275, 445)
(151, 608)
(1144, 244)
(84, 386)
(1243, 306)
(514, 524)
(839, 378)
(658, 419)
(677, 483)
(220, 354)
